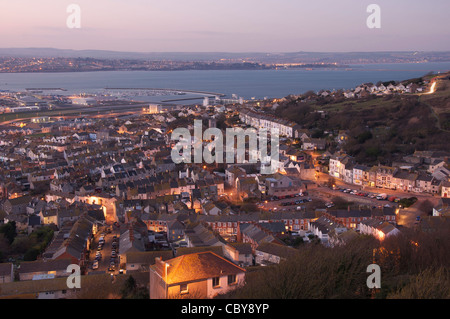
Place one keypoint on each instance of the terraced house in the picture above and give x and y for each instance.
(265, 121)
(198, 275)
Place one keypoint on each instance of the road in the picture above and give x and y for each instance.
(321, 194)
(106, 251)
(406, 216)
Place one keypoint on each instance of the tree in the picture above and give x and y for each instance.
(9, 230)
(426, 207)
(31, 254)
(331, 182)
(130, 290)
(4, 247)
(21, 244)
(128, 286)
(429, 284)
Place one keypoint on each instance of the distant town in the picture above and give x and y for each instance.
(18, 65)
(53, 60)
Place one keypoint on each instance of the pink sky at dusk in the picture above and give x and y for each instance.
(226, 26)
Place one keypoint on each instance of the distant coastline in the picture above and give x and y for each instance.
(49, 60)
(58, 65)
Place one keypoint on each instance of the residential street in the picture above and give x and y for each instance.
(104, 263)
(406, 216)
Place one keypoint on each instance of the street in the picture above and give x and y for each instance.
(406, 216)
(104, 262)
(320, 194)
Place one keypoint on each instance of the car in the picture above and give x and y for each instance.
(95, 265)
(114, 255)
(329, 205)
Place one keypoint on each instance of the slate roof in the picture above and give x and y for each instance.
(44, 266)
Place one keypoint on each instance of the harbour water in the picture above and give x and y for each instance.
(245, 83)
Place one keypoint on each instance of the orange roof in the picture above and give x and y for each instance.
(198, 266)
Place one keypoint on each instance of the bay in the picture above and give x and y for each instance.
(244, 83)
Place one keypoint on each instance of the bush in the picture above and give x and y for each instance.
(31, 254)
(407, 202)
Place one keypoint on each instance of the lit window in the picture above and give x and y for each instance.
(184, 289)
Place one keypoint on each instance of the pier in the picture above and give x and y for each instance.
(172, 90)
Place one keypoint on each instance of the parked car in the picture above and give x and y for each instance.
(329, 205)
(183, 244)
(382, 197)
(95, 265)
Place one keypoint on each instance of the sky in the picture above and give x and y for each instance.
(226, 26)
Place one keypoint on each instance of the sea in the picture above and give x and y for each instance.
(248, 84)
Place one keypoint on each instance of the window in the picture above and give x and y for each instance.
(231, 279)
(216, 282)
(184, 289)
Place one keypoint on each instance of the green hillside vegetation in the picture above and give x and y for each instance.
(381, 128)
(413, 265)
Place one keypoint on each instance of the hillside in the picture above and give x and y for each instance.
(414, 265)
(381, 128)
